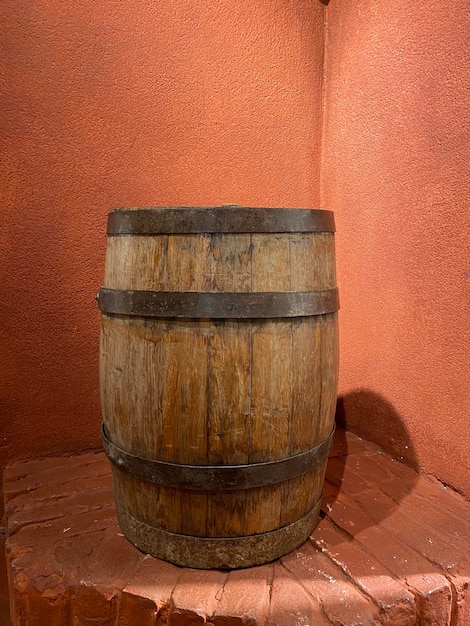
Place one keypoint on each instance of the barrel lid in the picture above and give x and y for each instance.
(219, 219)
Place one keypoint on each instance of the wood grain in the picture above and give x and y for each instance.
(219, 391)
(229, 387)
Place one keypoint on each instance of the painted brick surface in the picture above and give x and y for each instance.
(391, 548)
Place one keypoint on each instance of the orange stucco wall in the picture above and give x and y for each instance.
(396, 171)
(121, 103)
(130, 103)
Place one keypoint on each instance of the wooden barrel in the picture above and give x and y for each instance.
(218, 376)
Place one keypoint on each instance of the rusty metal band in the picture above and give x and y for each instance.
(220, 553)
(228, 219)
(216, 477)
(206, 305)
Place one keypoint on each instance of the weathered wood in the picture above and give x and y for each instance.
(208, 391)
(229, 383)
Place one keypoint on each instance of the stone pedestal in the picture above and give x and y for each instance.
(391, 548)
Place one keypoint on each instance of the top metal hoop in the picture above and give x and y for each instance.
(223, 219)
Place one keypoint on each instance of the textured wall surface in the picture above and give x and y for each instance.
(396, 171)
(123, 103)
(130, 103)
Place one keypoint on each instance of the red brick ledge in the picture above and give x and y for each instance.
(391, 548)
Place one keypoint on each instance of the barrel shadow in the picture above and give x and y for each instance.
(351, 472)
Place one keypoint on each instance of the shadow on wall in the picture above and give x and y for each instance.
(373, 418)
(370, 416)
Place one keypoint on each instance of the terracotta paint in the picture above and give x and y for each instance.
(389, 549)
(119, 104)
(203, 103)
(395, 170)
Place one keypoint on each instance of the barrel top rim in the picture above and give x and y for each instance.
(218, 207)
(217, 219)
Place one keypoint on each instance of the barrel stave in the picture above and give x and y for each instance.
(212, 391)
